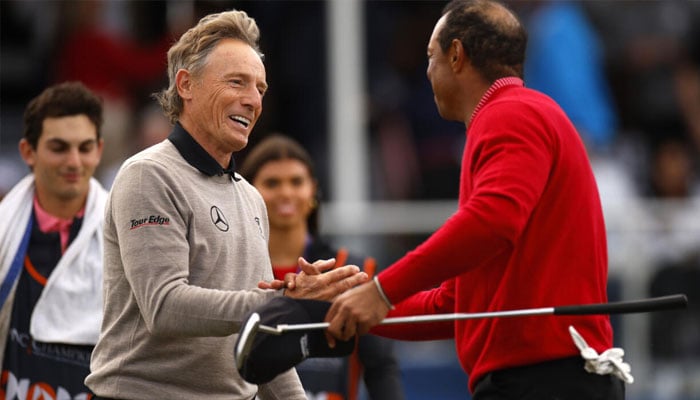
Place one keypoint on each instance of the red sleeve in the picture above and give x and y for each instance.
(436, 301)
(507, 161)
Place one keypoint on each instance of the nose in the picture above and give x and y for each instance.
(73, 158)
(286, 190)
(252, 98)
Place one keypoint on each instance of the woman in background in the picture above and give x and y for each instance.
(283, 172)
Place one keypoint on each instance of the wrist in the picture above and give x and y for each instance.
(381, 293)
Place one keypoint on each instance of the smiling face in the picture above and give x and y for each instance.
(289, 192)
(63, 162)
(224, 101)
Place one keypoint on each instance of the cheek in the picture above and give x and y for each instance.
(267, 195)
(91, 160)
(306, 198)
(47, 161)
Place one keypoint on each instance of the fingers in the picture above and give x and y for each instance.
(275, 284)
(306, 267)
(342, 324)
(341, 280)
(355, 312)
(290, 280)
(317, 267)
(349, 272)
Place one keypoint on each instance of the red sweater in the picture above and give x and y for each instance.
(528, 233)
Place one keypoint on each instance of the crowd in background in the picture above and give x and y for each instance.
(626, 72)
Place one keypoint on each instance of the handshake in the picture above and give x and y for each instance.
(318, 281)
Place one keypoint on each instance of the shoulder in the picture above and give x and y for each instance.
(519, 102)
(160, 162)
(248, 190)
(519, 113)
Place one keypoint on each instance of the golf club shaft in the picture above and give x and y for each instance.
(620, 307)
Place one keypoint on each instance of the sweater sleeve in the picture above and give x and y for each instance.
(440, 300)
(505, 168)
(285, 386)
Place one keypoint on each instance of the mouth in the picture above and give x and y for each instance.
(71, 177)
(285, 209)
(241, 120)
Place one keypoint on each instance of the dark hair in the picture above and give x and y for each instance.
(278, 147)
(61, 100)
(491, 34)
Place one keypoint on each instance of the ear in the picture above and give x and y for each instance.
(456, 55)
(27, 153)
(183, 83)
(100, 147)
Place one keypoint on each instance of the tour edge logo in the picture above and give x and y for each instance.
(150, 220)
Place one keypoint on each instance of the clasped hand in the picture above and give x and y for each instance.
(318, 280)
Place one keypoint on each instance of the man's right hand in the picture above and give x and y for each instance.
(313, 283)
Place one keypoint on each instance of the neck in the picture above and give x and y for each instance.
(205, 140)
(286, 246)
(473, 100)
(63, 209)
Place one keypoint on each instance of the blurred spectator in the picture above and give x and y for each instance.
(124, 66)
(650, 47)
(26, 29)
(687, 80)
(285, 175)
(565, 60)
(51, 249)
(671, 175)
(293, 38)
(418, 152)
(151, 127)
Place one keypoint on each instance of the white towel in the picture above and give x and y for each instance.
(69, 309)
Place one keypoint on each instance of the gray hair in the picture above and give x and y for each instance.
(195, 45)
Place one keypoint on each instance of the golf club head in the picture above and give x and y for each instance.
(260, 355)
(245, 339)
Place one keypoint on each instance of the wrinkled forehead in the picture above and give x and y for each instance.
(233, 55)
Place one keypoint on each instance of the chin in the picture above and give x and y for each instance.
(240, 143)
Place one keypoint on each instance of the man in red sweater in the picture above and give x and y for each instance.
(528, 231)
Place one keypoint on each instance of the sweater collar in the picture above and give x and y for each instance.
(196, 156)
(495, 86)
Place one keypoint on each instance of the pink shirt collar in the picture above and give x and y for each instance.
(49, 223)
(499, 83)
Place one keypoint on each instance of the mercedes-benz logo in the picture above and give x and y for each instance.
(217, 217)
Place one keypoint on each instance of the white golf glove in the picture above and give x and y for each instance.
(609, 362)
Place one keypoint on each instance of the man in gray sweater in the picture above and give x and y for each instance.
(186, 237)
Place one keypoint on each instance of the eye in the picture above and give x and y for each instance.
(87, 147)
(270, 183)
(297, 181)
(58, 147)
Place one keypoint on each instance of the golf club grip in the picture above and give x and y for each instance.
(626, 307)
